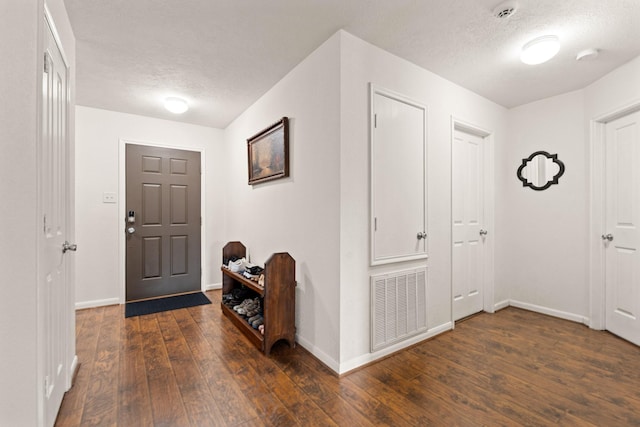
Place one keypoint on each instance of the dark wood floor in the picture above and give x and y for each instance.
(191, 367)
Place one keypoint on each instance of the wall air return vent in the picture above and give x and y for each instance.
(398, 307)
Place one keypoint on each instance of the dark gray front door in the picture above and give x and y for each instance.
(162, 221)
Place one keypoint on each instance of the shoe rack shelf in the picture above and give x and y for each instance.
(278, 297)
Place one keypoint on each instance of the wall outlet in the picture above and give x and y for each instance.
(109, 198)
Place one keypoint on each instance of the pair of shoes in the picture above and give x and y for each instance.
(257, 323)
(252, 306)
(255, 311)
(238, 265)
(243, 304)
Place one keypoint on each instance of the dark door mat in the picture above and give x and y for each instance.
(151, 306)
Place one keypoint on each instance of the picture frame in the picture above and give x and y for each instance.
(268, 153)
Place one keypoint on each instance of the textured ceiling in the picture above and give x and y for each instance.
(222, 55)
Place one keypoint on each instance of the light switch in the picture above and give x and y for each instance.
(108, 197)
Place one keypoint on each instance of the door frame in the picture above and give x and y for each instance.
(488, 280)
(597, 216)
(122, 201)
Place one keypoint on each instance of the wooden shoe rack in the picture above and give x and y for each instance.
(278, 297)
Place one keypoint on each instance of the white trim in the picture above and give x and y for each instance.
(373, 90)
(213, 286)
(488, 281)
(550, 312)
(122, 202)
(56, 36)
(319, 354)
(72, 370)
(500, 305)
(97, 303)
(371, 357)
(597, 215)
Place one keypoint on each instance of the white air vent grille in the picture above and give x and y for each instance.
(398, 306)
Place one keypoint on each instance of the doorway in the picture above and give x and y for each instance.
(162, 222)
(470, 219)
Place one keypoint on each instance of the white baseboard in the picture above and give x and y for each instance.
(319, 354)
(212, 286)
(72, 371)
(550, 312)
(97, 303)
(371, 357)
(500, 305)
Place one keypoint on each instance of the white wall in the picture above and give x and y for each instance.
(299, 214)
(362, 63)
(21, 27)
(617, 89)
(542, 248)
(99, 225)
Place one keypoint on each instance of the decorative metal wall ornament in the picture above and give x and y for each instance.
(540, 170)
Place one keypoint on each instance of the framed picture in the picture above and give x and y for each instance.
(269, 153)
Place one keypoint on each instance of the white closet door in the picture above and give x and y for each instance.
(398, 178)
(622, 235)
(468, 218)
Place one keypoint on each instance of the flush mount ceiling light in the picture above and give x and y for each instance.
(176, 105)
(540, 50)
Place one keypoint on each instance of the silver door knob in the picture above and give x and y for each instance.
(131, 230)
(608, 237)
(66, 246)
(422, 235)
(483, 232)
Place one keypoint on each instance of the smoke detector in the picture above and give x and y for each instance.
(505, 9)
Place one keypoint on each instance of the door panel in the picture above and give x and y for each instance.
(622, 219)
(467, 217)
(398, 179)
(163, 192)
(52, 293)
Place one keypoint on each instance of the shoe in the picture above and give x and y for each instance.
(243, 304)
(255, 311)
(237, 266)
(256, 323)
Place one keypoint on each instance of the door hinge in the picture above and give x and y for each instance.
(46, 64)
(375, 120)
(375, 224)
(44, 224)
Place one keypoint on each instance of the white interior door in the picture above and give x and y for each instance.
(622, 235)
(52, 287)
(468, 218)
(398, 178)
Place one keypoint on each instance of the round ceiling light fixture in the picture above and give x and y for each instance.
(540, 50)
(176, 105)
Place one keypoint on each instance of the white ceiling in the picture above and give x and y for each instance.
(222, 55)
